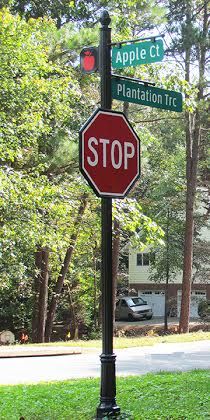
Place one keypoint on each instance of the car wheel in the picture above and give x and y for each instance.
(149, 317)
(130, 317)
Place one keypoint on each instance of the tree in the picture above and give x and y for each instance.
(62, 11)
(39, 123)
(64, 269)
(161, 193)
(192, 43)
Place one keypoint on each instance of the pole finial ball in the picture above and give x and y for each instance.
(105, 18)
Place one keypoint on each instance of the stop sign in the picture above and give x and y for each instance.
(109, 153)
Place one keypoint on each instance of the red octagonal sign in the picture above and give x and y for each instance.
(109, 153)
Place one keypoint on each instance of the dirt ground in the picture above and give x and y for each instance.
(155, 326)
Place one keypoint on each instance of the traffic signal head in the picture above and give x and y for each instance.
(89, 60)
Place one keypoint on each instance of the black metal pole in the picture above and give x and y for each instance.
(107, 406)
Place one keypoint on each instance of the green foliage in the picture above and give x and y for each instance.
(36, 94)
(186, 34)
(40, 118)
(132, 220)
(61, 11)
(204, 310)
(131, 18)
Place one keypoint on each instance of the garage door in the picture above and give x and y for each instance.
(156, 300)
(196, 297)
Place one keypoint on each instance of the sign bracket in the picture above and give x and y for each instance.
(132, 41)
(133, 79)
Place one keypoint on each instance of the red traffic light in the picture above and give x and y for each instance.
(89, 60)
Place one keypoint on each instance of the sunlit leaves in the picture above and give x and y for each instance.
(36, 94)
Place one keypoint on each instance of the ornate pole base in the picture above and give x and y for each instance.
(108, 410)
(108, 406)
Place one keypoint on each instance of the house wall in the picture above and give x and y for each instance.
(140, 274)
(137, 274)
(154, 292)
(172, 288)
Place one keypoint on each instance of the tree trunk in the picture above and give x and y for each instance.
(64, 270)
(167, 273)
(37, 282)
(95, 317)
(40, 295)
(115, 257)
(43, 296)
(73, 325)
(193, 125)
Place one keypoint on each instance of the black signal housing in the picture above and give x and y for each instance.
(89, 60)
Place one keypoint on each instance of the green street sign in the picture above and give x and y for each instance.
(131, 55)
(137, 93)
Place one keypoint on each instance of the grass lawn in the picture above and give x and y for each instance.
(126, 342)
(163, 396)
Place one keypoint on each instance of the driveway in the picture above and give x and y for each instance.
(134, 361)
